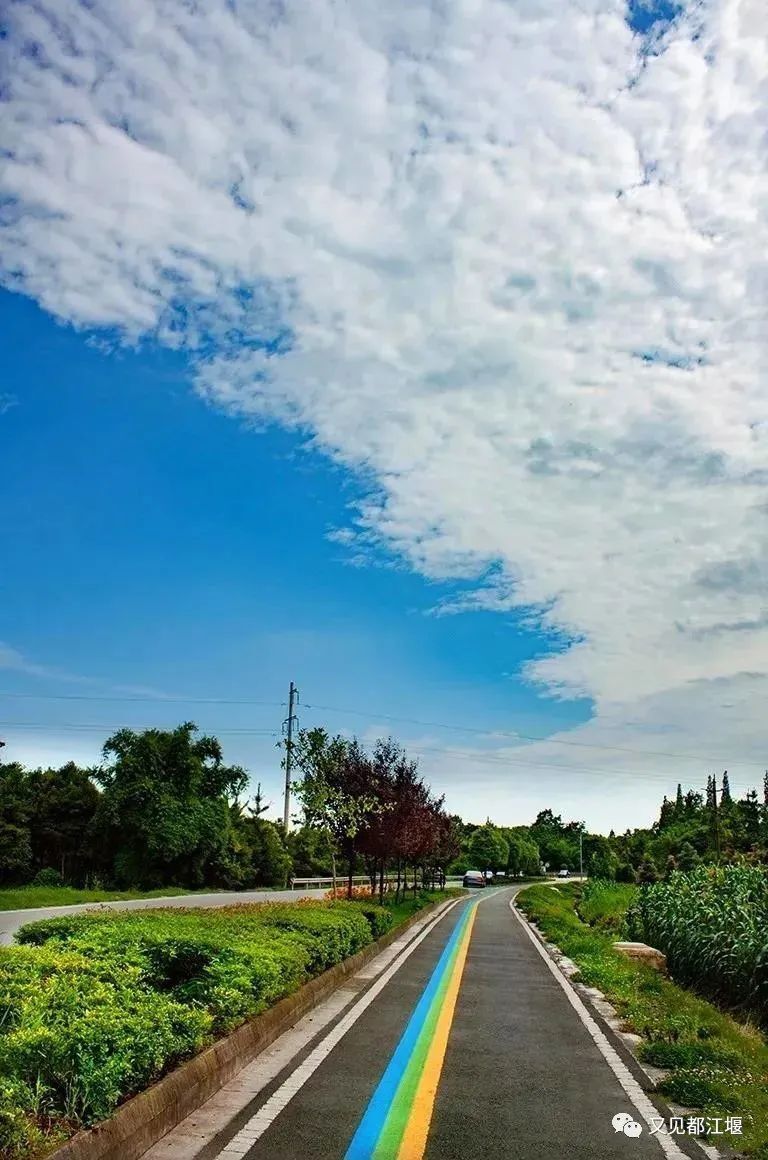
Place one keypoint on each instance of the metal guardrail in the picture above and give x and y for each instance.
(357, 880)
(341, 880)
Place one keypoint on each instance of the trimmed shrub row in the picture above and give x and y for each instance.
(94, 1007)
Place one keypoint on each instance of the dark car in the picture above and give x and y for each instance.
(473, 878)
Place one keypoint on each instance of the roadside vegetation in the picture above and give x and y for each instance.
(97, 1007)
(31, 897)
(712, 924)
(108, 1005)
(716, 1065)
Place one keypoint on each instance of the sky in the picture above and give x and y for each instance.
(416, 355)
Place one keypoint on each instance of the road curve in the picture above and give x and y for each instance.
(457, 1043)
(11, 920)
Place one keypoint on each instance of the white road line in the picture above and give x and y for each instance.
(196, 1132)
(240, 1144)
(634, 1092)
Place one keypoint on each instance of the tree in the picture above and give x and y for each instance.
(15, 809)
(599, 858)
(647, 873)
(687, 858)
(558, 843)
(166, 807)
(64, 804)
(725, 796)
(327, 805)
(711, 791)
(523, 856)
(488, 849)
(269, 858)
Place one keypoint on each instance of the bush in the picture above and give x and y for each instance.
(98, 1005)
(19, 1134)
(48, 877)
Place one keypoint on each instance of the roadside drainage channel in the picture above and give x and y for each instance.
(607, 1013)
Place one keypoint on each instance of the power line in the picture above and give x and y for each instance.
(87, 726)
(156, 700)
(447, 753)
(513, 735)
(529, 737)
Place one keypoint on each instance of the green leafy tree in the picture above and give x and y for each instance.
(487, 848)
(687, 857)
(64, 804)
(599, 859)
(166, 807)
(15, 837)
(647, 873)
(269, 857)
(330, 808)
(311, 852)
(523, 856)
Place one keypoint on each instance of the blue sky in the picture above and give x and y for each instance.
(521, 292)
(156, 543)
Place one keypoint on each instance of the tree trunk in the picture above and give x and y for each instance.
(349, 876)
(381, 883)
(397, 884)
(333, 870)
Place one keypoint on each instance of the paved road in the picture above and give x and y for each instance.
(11, 920)
(458, 1043)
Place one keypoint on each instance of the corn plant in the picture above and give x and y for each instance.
(712, 924)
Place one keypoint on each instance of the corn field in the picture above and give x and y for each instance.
(712, 924)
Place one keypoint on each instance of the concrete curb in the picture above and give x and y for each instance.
(144, 1119)
(606, 1013)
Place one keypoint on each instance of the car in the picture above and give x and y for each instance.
(473, 879)
(563, 873)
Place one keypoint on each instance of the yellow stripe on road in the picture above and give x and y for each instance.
(414, 1141)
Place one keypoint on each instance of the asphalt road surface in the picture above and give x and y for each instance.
(11, 920)
(459, 1042)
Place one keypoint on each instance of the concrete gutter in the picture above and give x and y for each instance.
(144, 1119)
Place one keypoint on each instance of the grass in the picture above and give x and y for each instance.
(30, 897)
(717, 1065)
(605, 904)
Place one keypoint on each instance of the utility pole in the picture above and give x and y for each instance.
(581, 853)
(293, 696)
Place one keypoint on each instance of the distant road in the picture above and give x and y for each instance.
(11, 920)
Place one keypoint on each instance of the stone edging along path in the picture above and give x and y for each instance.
(145, 1118)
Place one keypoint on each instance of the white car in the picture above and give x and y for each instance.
(563, 873)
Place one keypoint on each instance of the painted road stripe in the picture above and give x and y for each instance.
(414, 1141)
(242, 1143)
(631, 1087)
(389, 1120)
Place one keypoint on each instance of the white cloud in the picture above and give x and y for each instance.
(523, 267)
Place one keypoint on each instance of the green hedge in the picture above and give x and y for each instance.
(95, 1007)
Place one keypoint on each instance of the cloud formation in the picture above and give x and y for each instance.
(509, 262)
